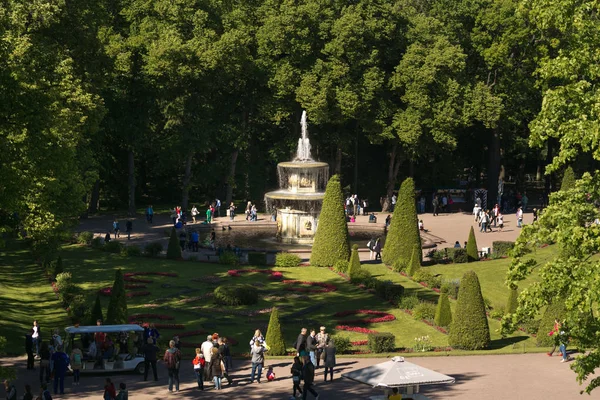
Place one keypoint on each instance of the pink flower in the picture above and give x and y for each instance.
(354, 329)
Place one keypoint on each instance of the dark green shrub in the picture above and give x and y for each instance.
(459, 256)
(113, 247)
(342, 344)
(361, 276)
(498, 312)
(451, 288)
(174, 249)
(427, 278)
(153, 249)
(511, 303)
(354, 268)
(415, 261)
(383, 342)
(388, 290)
(78, 308)
(97, 242)
(274, 336)
(408, 302)
(472, 252)
(400, 265)
(257, 259)
(488, 304)
(131, 251)
(236, 295)
(403, 235)
(287, 260)
(66, 289)
(554, 310)
(424, 310)
(568, 180)
(229, 258)
(531, 327)
(443, 313)
(58, 267)
(501, 248)
(85, 238)
(341, 266)
(469, 329)
(331, 242)
(117, 305)
(96, 313)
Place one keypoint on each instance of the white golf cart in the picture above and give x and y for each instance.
(118, 362)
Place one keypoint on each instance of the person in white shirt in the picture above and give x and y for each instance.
(194, 213)
(35, 337)
(519, 217)
(206, 349)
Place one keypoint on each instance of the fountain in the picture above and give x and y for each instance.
(300, 197)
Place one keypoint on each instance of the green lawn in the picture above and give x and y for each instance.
(28, 296)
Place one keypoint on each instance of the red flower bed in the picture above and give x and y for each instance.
(275, 275)
(354, 329)
(159, 325)
(325, 287)
(359, 342)
(384, 317)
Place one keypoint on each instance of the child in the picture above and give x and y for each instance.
(296, 373)
(123, 394)
(199, 362)
(270, 374)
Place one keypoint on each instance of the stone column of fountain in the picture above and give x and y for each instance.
(300, 196)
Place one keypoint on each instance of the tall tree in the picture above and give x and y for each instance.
(117, 306)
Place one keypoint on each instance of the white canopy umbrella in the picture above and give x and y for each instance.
(398, 373)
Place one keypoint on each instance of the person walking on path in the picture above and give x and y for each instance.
(322, 340)
(378, 249)
(216, 368)
(194, 214)
(172, 359)
(76, 363)
(60, 361)
(258, 360)
(116, 229)
(128, 228)
(36, 337)
(563, 338)
(311, 346)
(123, 393)
(296, 371)
(231, 211)
(225, 355)
(149, 214)
(208, 215)
(329, 359)
(206, 349)
(300, 344)
(519, 218)
(199, 364)
(436, 203)
(308, 376)
(150, 350)
(371, 247)
(555, 334)
(110, 393)
(217, 208)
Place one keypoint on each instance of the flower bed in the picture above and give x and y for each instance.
(359, 343)
(129, 276)
(325, 287)
(384, 316)
(159, 325)
(357, 329)
(275, 275)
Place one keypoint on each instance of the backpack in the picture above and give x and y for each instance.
(77, 358)
(172, 359)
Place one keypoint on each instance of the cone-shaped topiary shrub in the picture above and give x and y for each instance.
(331, 239)
(415, 261)
(472, 252)
(555, 310)
(117, 306)
(96, 313)
(275, 335)
(174, 250)
(354, 263)
(403, 235)
(443, 313)
(568, 180)
(511, 303)
(469, 329)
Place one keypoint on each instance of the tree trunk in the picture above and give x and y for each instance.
(131, 183)
(231, 177)
(94, 198)
(338, 161)
(187, 177)
(393, 169)
(493, 169)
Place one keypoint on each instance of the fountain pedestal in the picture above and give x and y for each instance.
(296, 227)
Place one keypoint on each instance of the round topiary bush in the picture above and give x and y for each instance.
(469, 329)
(236, 295)
(403, 235)
(331, 239)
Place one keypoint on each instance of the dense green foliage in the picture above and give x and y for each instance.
(117, 305)
(286, 260)
(511, 303)
(424, 310)
(555, 310)
(96, 312)
(502, 248)
(415, 262)
(568, 179)
(469, 329)
(274, 336)
(354, 268)
(403, 235)
(342, 344)
(173, 249)
(443, 313)
(383, 342)
(472, 249)
(236, 295)
(331, 242)
(153, 249)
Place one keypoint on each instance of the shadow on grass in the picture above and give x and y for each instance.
(508, 341)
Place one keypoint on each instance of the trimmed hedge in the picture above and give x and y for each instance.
(428, 278)
(511, 303)
(274, 336)
(469, 329)
(97, 242)
(415, 261)
(131, 251)
(257, 258)
(388, 290)
(174, 249)
(113, 247)
(403, 235)
(451, 288)
(85, 238)
(383, 342)
(472, 252)
(554, 310)
(408, 302)
(229, 258)
(443, 313)
(568, 180)
(424, 310)
(341, 266)
(354, 268)
(459, 256)
(331, 242)
(501, 248)
(342, 344)
(117, 306)
(287, 260)
(236, 295)
(153, 249)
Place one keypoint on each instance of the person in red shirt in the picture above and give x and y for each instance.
(109, 390)
(199, 364)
